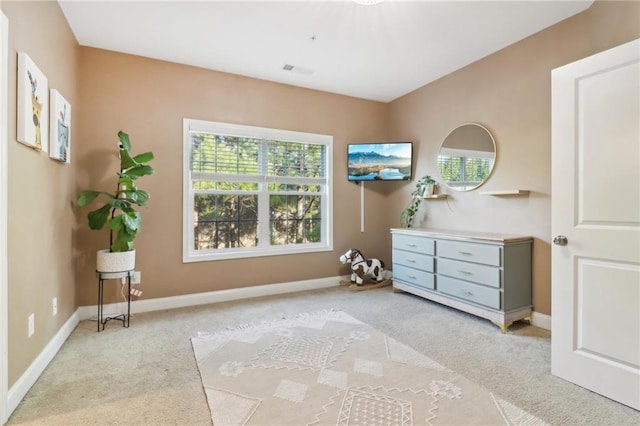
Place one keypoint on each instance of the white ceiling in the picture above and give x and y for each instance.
(377, 52)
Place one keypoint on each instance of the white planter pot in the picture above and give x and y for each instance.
(115, 262)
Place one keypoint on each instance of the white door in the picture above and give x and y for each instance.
(595, 328)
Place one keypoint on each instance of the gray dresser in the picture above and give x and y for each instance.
(488, 275)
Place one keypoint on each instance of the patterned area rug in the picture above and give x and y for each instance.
(328, 368)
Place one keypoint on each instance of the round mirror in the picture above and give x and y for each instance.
(466, 157)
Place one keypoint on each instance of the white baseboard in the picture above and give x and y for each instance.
(541, 320)
(162, 303)
(29, 377)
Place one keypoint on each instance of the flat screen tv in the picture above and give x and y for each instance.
(381, 161)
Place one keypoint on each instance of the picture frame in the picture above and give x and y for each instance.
(33, 104)
(60, 128)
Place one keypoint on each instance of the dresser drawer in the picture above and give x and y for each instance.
(483, 274)
(413, 276)
(469, 252)
(468, 291)
(423, 262)
(413, 243)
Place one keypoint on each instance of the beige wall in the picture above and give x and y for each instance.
(40, 212)
(510, 93)
(149, 99)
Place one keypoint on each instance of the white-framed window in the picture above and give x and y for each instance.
(254, 191)
(464, 169)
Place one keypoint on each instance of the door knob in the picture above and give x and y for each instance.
(560, 240)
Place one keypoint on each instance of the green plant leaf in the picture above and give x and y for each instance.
(142, 197)
(144, 157)
(98, 217)
(123, 241)
(115, 224)
(86, 197)
(137, 197)
(120, 203)
(131, 221)
(124, 140)
(130, 196)
(138, 171)
(126, 161)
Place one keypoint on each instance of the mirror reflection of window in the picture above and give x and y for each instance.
(466, 157)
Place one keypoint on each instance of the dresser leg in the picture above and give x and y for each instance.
(397, 290)
(503, 326)
(528, 319)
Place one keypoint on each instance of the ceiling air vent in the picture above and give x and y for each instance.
(297, 69)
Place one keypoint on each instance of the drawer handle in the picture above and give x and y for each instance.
(412, 245)
(467, 292)
(413, 277)
(466, 253)
(411, 261)
(466, 272)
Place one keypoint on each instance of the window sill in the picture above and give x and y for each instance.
(225, 254)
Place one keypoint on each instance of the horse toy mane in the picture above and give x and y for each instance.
(362, 267)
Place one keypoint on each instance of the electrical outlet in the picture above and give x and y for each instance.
(32, 324)
(54, 306)
(135, 278)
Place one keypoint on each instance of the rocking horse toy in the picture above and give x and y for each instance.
(361, 267)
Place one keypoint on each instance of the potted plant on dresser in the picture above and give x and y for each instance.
(119, 212)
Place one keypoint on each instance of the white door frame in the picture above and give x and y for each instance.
(4, 315)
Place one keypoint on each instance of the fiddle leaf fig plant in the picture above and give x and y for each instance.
(408, 215)
(119, 212)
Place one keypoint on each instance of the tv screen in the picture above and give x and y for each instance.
(380, 161)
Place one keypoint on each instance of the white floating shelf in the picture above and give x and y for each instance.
(506, 192)
(435, 196)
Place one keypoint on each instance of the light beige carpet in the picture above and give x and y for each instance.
(330, 368)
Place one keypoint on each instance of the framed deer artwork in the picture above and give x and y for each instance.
(33, 104)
